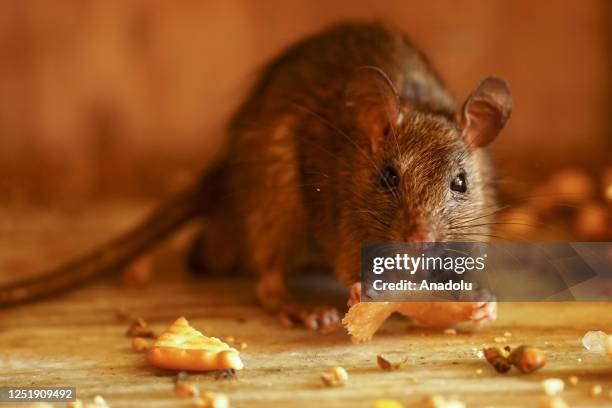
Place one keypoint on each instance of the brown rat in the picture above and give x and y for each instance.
(349, 136)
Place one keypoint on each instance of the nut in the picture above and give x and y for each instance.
(498, 359)
(335, 377)
(553, 386)
(212, 400)
(527, 359)
(139, 344)
(387, 365)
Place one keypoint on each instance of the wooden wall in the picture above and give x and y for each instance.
(125, 98)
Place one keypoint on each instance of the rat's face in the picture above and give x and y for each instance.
(425, 178)
(425, 184)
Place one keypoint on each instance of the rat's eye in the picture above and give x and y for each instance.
(459, 184)
(389, 178)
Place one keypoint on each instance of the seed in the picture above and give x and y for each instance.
(387, 365)
(139, 344)
(185, 390)
(527, 359)
(596, 390)
(335, 377)
(213, 400)
(553, 386)
(497, 358)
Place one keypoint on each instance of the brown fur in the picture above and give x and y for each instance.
(301, 172)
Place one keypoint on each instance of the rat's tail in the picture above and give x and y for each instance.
(114, 254)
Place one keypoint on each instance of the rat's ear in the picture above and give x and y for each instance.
(373, 101)
(485, 112)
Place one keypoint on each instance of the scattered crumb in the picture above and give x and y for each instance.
(553, 386)
(573, 380)
(387, 403)
(243, 345)
(438, 401)
(230, 339)
(595, 390)
(75, 404)
(139, 344)
(450, 331)
(554, 402)
(139, 328)
(387, 365)
(212, 400)
(185, 390)
(500, 339)
(507, 334)
(334, 377)
(479, 371)
(579, 360)
(98, 402)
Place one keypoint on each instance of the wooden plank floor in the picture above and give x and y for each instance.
(77, 339)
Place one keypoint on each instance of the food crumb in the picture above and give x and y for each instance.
(212, 400)
(386, 365)
(75, 404)
(243, 345)
(553, 386)
(450, 331)
(507, 334)
(185, 390)
(479, 371)
(555, 402)
(500, 339)
(573, 380)
(596, 390)
(139, 328)
(438, 401)
(387, 403)
(334, 377)
(139, 344)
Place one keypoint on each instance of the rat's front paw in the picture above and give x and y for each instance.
(311, 318)
(483, 313)
(355, 294)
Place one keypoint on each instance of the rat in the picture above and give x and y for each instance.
(348, 136)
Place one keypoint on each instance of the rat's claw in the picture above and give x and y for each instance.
(483, 313)
(355, 294)
(311, 318)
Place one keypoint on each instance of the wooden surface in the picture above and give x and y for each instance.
(78, 340)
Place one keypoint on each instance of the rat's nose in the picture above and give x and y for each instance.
(421, 240)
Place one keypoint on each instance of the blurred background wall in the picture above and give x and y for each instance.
(127, 98)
